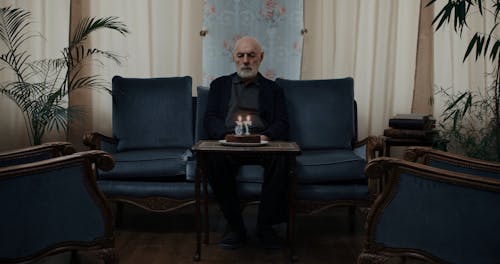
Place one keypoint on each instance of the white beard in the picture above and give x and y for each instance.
(246, 73)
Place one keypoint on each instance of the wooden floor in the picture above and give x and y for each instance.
(152, 238)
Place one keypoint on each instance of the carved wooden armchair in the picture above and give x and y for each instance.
(438, 207)
(53, 205)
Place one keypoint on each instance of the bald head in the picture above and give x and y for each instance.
(247, 41)
(247, 56)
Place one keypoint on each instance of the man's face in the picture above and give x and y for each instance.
(247, 57)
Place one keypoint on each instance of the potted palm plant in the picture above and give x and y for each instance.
(471, 120)
(40, 88)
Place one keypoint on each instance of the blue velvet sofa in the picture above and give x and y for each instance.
(51, 204)
(435, 206)
(155, 168)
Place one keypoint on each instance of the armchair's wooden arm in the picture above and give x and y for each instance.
(101, 159)
(374, 147)
(424, 154)
(56, 148)
(93, 140)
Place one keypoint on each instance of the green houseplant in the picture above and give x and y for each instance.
(40, 88)
(471, 120)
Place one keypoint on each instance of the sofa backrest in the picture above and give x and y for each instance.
(321, 112)
(201, 106)
(152, 112)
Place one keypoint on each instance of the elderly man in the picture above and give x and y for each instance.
(243, 93)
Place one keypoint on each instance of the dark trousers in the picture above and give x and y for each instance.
(273, 207)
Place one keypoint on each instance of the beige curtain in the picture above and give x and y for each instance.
(372, 41)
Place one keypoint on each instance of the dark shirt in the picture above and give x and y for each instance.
(271, 108)
(244, 103)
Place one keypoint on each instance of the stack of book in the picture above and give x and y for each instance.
(416, 126)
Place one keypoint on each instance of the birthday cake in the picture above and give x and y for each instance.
(252, 138)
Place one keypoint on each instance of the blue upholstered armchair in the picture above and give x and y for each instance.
(437, 206)
(53, 205)
(152, 135)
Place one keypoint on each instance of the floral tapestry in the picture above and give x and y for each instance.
(276, 24)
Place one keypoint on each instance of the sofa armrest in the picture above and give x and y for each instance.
(35, 153)
(96, 140)
(374, 147)
(453, 161)
(58, 148)
(370, 148)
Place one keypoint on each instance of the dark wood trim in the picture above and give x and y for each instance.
(155, 204)
(93, 140)
(425, 155)
(57, 149)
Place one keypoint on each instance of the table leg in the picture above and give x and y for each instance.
(205, 204)
(199, 172)
(292, 209)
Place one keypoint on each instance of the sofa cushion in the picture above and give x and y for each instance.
(148, 164)
(173, 190)
(152, 112)
(327, 166)
(321, 112)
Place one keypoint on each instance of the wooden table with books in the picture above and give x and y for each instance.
(409, 130)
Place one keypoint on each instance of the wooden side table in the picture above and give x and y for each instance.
(204, 148)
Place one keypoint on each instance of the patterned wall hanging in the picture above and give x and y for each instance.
(276, 24)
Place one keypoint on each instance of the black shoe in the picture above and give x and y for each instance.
(269, 239)
(233, 240)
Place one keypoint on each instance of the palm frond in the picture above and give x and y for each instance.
(87, 25)
(92, 81)
(79, 54)
(13, 23)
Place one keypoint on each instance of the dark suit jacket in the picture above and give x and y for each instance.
(272, 108)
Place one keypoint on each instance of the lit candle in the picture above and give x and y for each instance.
(238, 129)
(247, 124)
(249, 121)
